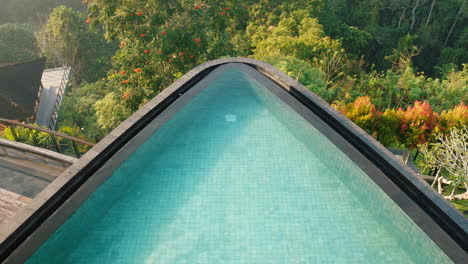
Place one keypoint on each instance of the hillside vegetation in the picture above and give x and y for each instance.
(397, 68)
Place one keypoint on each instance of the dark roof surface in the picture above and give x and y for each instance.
(20, 84)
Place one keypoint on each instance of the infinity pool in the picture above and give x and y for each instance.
(237, 176)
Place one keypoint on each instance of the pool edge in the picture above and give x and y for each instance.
(36, 224)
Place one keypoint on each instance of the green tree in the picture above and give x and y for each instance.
(160, 41)
(78, 109)
(17, 43)
(109, 113)
(401, 56)
(343, 59)
(67, 40)
(298, 35)
(32, 11)
(303, 72)
(438, 27)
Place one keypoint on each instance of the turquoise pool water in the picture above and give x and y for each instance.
(236, 176)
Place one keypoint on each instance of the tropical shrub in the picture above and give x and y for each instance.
(387, 128)
(416, 124)
(305, 73)
(363, 113)
(395, 89)
(454, 118)
(45, 140)
(300, 36)
(78, 108)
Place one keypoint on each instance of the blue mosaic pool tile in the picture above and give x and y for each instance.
(236, 176)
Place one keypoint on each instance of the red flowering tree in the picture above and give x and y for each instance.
(160, 41)
(417, 124)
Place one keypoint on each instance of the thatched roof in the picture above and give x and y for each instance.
(20, 84)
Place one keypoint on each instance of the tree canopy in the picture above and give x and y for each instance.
(397, 68)
(17, 43)
(392, 52)
(66, 40)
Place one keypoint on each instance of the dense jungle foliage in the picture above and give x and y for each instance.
(398, 68)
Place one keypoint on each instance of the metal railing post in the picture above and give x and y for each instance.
(75, 147)
(54, 140)
(33, 136)
(13, 131)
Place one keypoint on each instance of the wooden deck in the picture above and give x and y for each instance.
(27, 173)
(10, 203)
(24, 172)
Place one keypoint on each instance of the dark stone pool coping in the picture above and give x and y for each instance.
(447, 227)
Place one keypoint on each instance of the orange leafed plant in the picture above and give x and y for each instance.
(416, 124)
(363, 113)
(456, 117)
